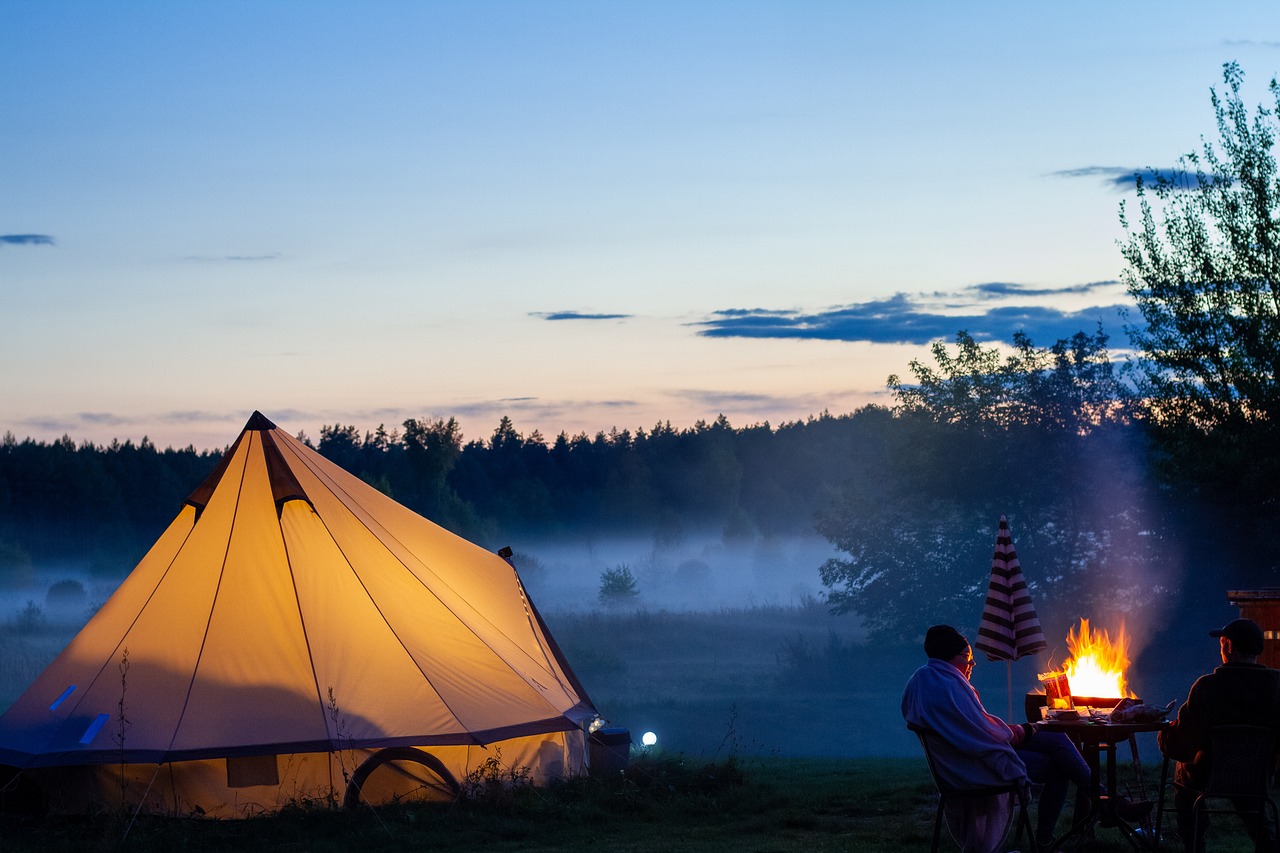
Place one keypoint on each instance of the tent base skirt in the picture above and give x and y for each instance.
(241, 788)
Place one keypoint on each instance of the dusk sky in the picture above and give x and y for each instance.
(581, 215)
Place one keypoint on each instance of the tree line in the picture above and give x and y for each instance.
(63, 501)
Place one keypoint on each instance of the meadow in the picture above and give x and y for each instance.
(778, 730)
(663, 804)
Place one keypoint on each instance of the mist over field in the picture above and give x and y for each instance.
(700, 572)
(725, 646)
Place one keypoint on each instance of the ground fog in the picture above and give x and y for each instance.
(723, 649)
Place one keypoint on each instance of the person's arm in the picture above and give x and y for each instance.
(1185, 736)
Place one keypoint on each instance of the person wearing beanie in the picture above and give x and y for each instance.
(1241, 691)
(984, 750)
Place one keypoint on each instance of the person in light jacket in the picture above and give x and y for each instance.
(979, 749)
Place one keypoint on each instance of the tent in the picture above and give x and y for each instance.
(296, 635)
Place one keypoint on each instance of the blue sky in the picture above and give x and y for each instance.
(580, 215)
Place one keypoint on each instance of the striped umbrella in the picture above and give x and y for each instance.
(1010, 627)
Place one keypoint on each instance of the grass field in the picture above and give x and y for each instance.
(664, 804)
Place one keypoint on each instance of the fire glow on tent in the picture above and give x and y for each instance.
(294, 628)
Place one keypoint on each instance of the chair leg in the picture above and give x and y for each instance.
(1193, 843)
(1024, 822)
(1274, 820)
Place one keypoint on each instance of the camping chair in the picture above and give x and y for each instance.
(947, 793)
(1243, 759)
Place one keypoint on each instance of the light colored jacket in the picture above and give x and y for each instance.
(975, 749)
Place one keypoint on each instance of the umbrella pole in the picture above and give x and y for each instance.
(1008, 683)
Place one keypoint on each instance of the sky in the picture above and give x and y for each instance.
(580, 215)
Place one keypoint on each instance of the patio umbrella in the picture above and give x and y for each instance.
(1010, 627)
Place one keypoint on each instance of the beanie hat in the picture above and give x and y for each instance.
(944, 642)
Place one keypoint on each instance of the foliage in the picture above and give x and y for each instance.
(496, 784)
(1031, 436)
(1071, 386)
(804, 664)
(1203, 264)
(617, 587)
(66, 593)
(61, 501)
(30, 620)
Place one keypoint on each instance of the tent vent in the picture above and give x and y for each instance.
(62, 698)
(249, 770)
(91, 732)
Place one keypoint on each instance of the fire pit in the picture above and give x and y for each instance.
(1036, 700)
(1095, 671)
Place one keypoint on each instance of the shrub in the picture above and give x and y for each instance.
(68, 593)
(618, 587)
(801, 664)
(30, 620)
(494, 784)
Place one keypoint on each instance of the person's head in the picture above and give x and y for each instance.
(1240, 640)
(946, 643)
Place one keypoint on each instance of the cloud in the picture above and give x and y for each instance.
(1121, 177)
(1001, 289)
(578, 315)
(905, 320)
(1250, 43)
(233, 258)
(26, 239)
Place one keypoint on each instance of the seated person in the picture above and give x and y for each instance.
(985, 750)
(1240, 692)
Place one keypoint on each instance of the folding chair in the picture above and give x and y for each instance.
(947, 792)
(1242, 761)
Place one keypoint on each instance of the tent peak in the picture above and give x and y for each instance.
(259, 421)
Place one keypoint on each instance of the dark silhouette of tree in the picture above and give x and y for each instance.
(1031, 435)
(1203, 264)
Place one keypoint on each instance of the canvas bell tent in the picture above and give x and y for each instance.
(294, 629)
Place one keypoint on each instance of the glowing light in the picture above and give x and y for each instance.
(648, 738)
(1098, 663)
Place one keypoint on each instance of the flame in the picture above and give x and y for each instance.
(1098, 663)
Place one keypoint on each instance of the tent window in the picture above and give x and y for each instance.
(92, 732)
(250, 770)
(62, 698)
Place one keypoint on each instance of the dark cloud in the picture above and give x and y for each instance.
(578, 315)
(26, 239)
(995, 289)
(1121, 177)
(900, 320)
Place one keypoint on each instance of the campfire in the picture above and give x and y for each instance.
(1094, 674)
(1098, 663)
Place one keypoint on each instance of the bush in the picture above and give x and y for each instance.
(618, 587)
(801, 664)
(30, 620)
(495, 784)
(68, 593)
